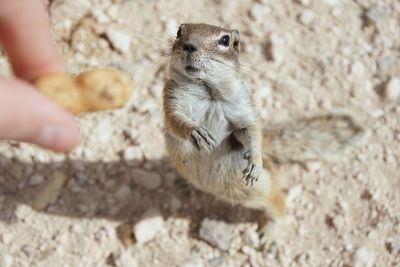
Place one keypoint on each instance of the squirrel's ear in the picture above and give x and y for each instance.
(236, 40)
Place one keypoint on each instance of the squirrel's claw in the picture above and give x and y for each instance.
(203, 140)
(252, 171)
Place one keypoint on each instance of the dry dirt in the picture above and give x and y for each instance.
(300, 58)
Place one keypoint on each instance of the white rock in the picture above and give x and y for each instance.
(36, 179)
(307, 17)
(194, 262)
(28, 251)
(336, 12)
(293, 193)
(393, 246)
(313, 166)
(104, 132)
(6, 260)
(76, 228)
(276, 48)
(149, 180)
(172, 26)
(5, 238)
(376, 113)
(263, 92)
(375, 13)
(124, 259)
(363, 258)
(332, 2)
(248, 250)
(251, 237)
(133, 155)
(113, 12)
(303, 2)
(151, 224)
(217, 233)
(358, 69)
(100, 16)
(257, 12)
(119, 39)
(71, 9)
(392, 89)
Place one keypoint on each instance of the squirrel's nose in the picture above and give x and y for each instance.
(190, 48)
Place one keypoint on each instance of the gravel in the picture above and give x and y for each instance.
(217, 233)
(299, 57)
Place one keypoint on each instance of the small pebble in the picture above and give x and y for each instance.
(217, 233)
(50, 193)
(375, 13)
(393, 246)
(28, 251)
(133, 155)
(348, 247)
(303, 2)
(193, 262)
(293, 193)
(151, 224)
(332, 2)
(81, 178)
(123, 192)
(307, 17)
(276, 49)
(251, 237)
(376, 113)
(313, 166)
(392, 89)
(76, 228)
(71, 9)
(36, 179)
(257, 12)
(358, 69)
(100, 16)
(149, 180)
(172, 26)
(6, 260)
(176, 204)
(124, 259)
(119, 39)
(363, 258)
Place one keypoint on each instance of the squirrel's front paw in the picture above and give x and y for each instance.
(252, 171)
(203, 140)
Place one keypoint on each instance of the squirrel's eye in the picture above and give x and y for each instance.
(178, 34)
(224, 40)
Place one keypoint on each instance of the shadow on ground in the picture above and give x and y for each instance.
(98, 197)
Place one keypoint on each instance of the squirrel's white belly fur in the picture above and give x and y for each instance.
(220, 171)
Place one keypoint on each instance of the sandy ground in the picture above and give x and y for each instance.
(300, 57)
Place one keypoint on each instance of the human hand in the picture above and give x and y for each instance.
(25, 114)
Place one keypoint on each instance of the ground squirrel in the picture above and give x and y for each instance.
(212, 133)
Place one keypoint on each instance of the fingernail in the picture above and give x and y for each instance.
(52, 134)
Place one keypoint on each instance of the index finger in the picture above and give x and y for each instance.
(25, 36)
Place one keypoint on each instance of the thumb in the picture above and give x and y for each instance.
(26, 115)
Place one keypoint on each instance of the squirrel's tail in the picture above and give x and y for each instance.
(322, 137)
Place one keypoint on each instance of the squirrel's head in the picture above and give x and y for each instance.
(201, 50)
